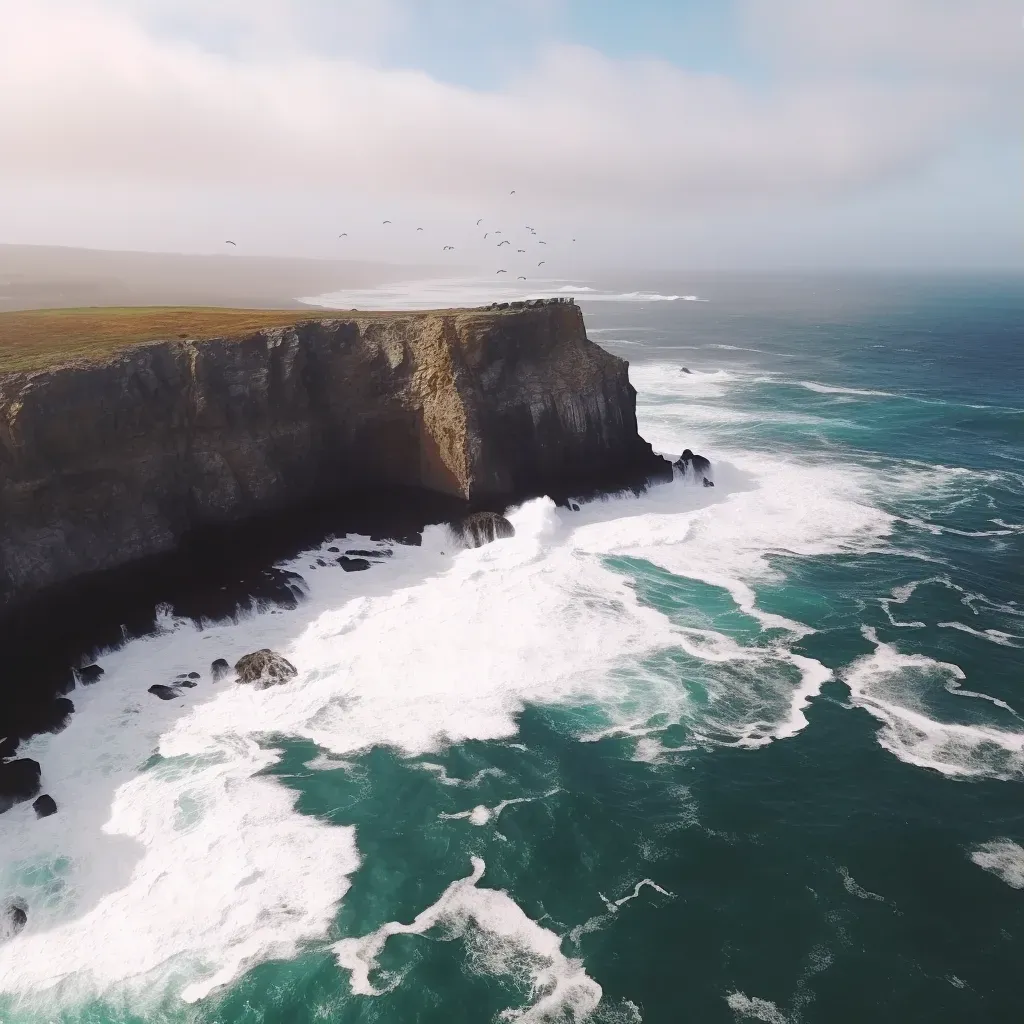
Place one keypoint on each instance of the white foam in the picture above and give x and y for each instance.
(899, 690)
(755, 1008)
(440, 773)
(1004, 858)
(481, 814)
(828, 389)
(851, 885)
(501, 939)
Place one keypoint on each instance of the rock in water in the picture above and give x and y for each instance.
(685, 370)
(484, 527)
(264, 668)
(219, 669)
(164, 692)
(13, 918)
(44, 806)
(89, 674)
(353, 564)
(700, 467)
(19, 780)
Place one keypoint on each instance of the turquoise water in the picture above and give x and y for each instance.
(749, 753)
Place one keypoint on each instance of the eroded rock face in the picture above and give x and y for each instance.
(19, 780)
(264, 668)
(13, 918)
(105, 463)
(219, 669)
(482, 528)
(690, 464)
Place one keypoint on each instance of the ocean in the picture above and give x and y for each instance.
(749, 753)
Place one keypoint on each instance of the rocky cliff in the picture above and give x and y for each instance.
(103, 463)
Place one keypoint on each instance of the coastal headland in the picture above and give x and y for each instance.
(140, 444)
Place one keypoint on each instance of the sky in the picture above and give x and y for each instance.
(660, 134)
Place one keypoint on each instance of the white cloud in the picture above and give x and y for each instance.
(88, 93)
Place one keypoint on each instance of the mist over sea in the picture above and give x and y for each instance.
(749, 753)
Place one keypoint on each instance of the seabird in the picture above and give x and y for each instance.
(513, 192)
(479, 222)
(387, 222)
(504, 242)
(542, 262)
(502, 271)
(520, 278)
(229, 242)
(420, 229)
(520, 250)
(542, 243)
(486, 233)
(344, 234)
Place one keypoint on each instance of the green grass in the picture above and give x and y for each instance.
(35, 339)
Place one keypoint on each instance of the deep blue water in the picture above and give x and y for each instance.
(749, 753)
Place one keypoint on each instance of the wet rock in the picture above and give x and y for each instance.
(574, 506)
(360, 553)
(683, 369)
(482, 528)
(334, 550)
(89, 674)
(219, 669)
(13, 918)
(164, 692)
(708, 483)
(185, 681)
(353, 564)
(194, 675)
(688, 463)
(44, 806)
(19, 780)
(264, 668)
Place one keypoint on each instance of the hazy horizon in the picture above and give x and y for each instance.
(690, 135)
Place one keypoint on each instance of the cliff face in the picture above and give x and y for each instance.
(104, 463)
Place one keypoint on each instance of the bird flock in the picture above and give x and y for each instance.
(522, 255)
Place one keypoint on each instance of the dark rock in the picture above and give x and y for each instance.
(708, 483)
(353, 564)
(219, 669)
(482, 528)
(194, 675)
(688, 463)
(264, 668)
(164, 692)
(334, 550)
(44, 806)
(383, 553)
(185, 681)
(8, 747)
(13, 918)
(19, 780)
(89, 674)
(574, 506)
(685, 370)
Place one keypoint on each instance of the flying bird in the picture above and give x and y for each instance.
(486, 233)
(504, 242)
(513, 192)
(420, 229)
(497, 232)
(344, 234)
(542, 262)
(502, 271)
(520, 278)
(520, 250)
(229, 242)
(542, 243)
(387, 222)
(447, 247)
(479, 222)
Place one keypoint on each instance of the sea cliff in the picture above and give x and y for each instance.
(112, 460)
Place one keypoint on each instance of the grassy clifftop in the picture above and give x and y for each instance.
(35, 339)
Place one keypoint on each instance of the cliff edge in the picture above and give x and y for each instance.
(106, 462)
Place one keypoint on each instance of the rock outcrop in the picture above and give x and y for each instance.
(105, 463)
(482, 528)
(264, 668)
(19, 781)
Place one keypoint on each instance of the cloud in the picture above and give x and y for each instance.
(91, 92)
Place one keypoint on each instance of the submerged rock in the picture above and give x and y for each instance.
(482, 528)
(684, 369)
(44, 806)
(219, 669)
(164, 692)
(89, 674)
(353, 564)
(264, 668)
(19, 781)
